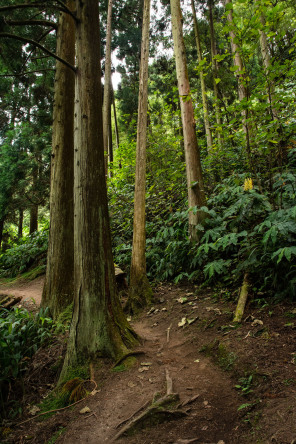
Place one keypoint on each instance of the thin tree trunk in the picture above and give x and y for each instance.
(242, 90)
(240, 308)
(267, 65)
(58, 291)
(202, 83)
(107, 86)
(99, 327)
(115, 122)
(140, 292)
(196, 194)
(215, 70)
(33, 219)
(20, 224)
(110, 138)
(1, 231)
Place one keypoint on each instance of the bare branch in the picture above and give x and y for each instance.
(33, 42)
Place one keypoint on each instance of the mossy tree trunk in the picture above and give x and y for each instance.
(140, 292)
(99, 327)
(58, 291)
(195, 186)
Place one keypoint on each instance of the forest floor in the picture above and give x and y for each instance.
(236, 384)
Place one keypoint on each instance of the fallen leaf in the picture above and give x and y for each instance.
(146, 363)
(182, 300)
(256, 322)
(85, 410)
(34, 409)
(182, 322)
(143, 369)
(131, 384)
(190, 321)
(197, 360)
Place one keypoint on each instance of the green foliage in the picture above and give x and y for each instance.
(29, 250)
(245, 384)
(21, 334)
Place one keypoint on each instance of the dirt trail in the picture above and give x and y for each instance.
(30, 292)
(266, 351)
(211, 417)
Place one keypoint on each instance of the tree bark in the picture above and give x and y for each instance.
(99, 327)
(202, 83)
(1, 231)
(107, 87)
(58, 291)
(33, 219)
(242, 90)
(115, 122)
(240, 308)
(267, 65)
(195, 186)
(20, 224)
(140, 292)
(215, 70)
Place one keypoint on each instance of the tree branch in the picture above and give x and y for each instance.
(32, 22)
(33, 42)
(60, 6)
(20, 74)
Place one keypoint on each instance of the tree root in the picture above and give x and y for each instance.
(126, 355)
(159, 411)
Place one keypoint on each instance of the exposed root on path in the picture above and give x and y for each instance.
(159, 411)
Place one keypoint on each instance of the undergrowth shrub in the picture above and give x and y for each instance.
(21, 334)
(29, 250)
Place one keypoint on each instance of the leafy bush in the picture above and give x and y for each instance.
(21, 334)
(29, 251)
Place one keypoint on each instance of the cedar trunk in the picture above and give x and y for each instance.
(195, 186)
(107, 89)
(98, 327)
(140, 292)
(58, 288)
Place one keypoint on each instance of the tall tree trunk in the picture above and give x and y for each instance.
(107, 86)
(110, 138)
(140, 292)
(196, 194)
(58, 291)
(202, 82)
(115, 122)
(215, 70)
(20, 224)
(99, 327)
(267, 65)
(1, 231)
(242, 90)
(33, 218)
